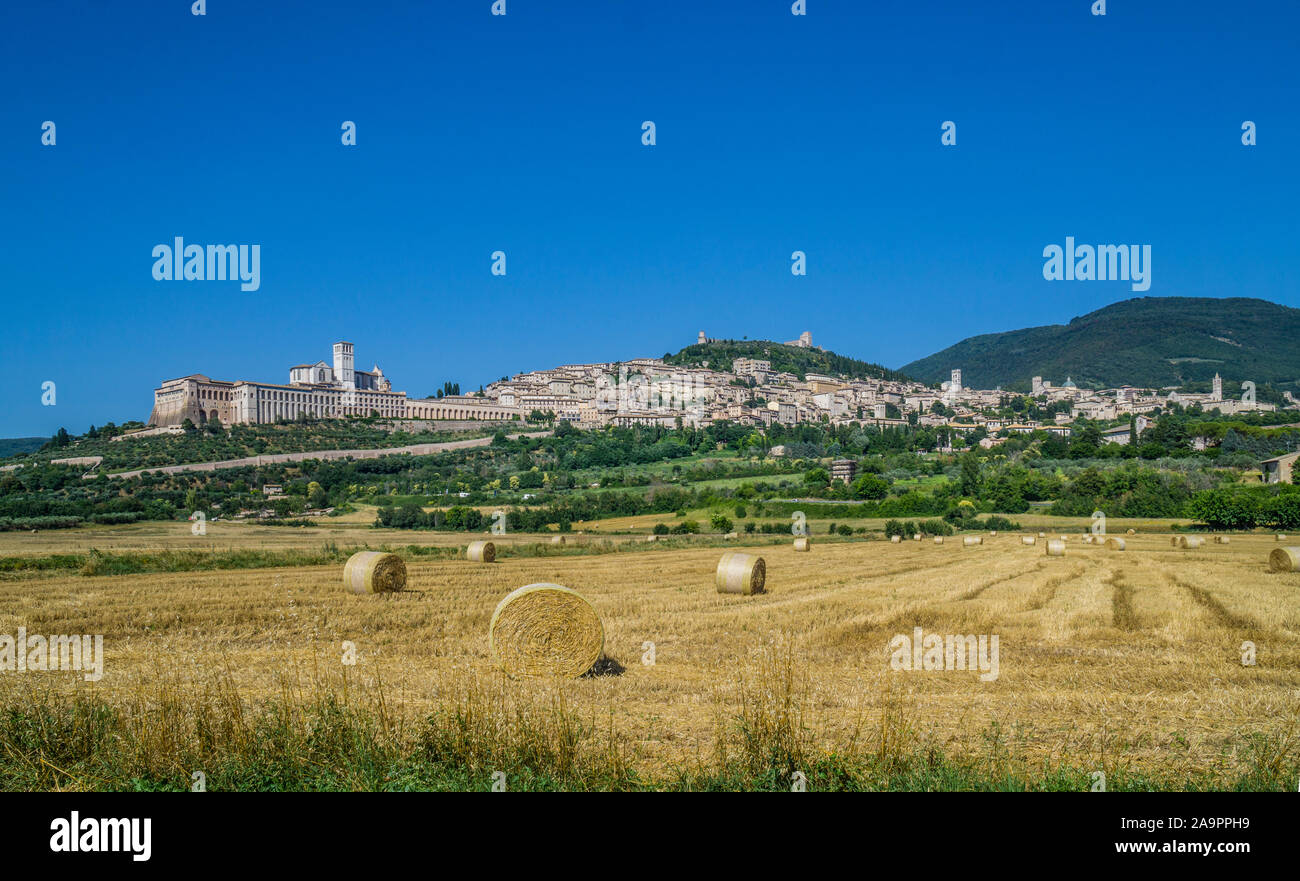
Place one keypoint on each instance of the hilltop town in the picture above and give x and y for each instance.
(653, 392)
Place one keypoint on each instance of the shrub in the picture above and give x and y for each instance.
(1225, 508)
(1281, 511)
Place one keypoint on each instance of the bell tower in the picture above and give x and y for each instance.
(344, 372)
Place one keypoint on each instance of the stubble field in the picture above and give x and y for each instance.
(1129, 663)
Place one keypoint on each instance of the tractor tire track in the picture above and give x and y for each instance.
(1121, 602)
(1047, 592)
(1216, 609)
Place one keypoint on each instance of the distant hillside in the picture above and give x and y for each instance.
(1150, 342)
(13, 446)
(719, 355)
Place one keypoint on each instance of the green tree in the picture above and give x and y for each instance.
(969, 482)
(817, 477)
(870, 486)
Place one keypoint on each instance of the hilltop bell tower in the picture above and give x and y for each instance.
(1216, 388)
(344, 371)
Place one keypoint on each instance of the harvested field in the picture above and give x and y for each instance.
(1128, 662)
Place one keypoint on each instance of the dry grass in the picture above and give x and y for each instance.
(1128, 662)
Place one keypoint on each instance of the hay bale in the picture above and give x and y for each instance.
(971, 541)
(1190, 541)
(895, 538)
(938, 539)
(1056, 548)
(741, 573)
(730, 535)
(652, 538)
(557, 539)
(1027, 539)
(1285, 559)
(917, 537)
(1114, 544)
(1222, 540)
(481, 552)
(1173, 540)
(1042, 535)
(374, 572)
(994, 532)
(545, 630)
(1279, 538)
(1132, 532)
(803, 543)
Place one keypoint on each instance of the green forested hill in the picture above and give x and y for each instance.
(13, 446)
(1149, 342)
(788, 359)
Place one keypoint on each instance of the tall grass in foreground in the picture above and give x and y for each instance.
(329, 734)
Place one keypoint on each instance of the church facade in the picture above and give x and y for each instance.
(321, 390)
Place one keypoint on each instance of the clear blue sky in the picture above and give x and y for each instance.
(523, 133)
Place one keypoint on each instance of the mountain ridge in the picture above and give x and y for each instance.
(1149, 342)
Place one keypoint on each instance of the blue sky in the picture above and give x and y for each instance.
(522, 133)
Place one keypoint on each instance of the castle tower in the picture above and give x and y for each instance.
(702, 340)
(956, 381)
(1037, 386)
(1216, 393)
(344, 371)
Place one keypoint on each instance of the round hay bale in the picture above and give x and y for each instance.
(938, 539)
(1222, 540)
(1027, 539)
(557, 539)
(741, 573)
(803, 543)
(1285, 559)
(994, 532)
(545, 630)
(1132, 532)
(481, 552)
(1042, 535)
(731, 535)
(1279, 538)
(374, 572)
(652, 538)
(1056, 548)
(917, 537)
(1114, 544)
(1173, 540)
(895, 538)
(1190, 541)
(971, 541)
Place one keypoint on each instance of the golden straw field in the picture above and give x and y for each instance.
(1108, 659)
